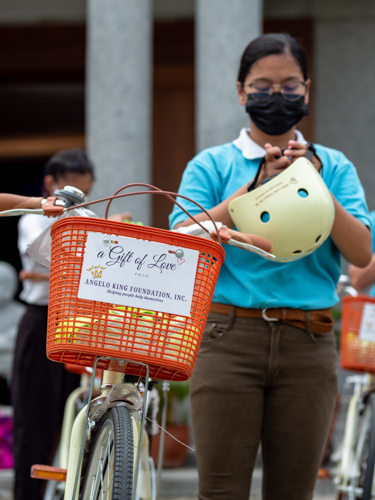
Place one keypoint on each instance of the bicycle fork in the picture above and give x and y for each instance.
(81, 425)
(344, 475)
(349, 472)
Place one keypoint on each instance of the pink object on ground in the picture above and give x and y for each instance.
(6, 442)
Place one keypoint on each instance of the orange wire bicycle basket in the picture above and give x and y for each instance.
(81, 330)
(357, 350)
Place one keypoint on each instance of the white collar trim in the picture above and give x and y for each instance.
(251, 150)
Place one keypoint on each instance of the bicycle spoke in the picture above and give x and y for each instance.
(103, 478)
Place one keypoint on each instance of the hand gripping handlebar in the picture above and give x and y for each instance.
(67, 199)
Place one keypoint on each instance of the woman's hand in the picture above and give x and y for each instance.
(274, 162)
(297, 150)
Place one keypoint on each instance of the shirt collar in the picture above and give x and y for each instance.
(251, 150)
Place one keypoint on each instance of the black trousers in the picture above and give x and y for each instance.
(39, 390)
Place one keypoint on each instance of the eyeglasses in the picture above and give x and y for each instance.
(262, 90)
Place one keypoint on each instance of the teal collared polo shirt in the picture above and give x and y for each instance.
(247, 280)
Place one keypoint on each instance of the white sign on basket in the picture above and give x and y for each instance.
(138, 273)
(367, 328)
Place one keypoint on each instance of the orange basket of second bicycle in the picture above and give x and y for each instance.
(357, 343)
(131, 292)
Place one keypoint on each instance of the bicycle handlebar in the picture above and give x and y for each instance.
(250, 243)
(344, 286)
(68, 199)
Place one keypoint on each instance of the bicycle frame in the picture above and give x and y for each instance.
(68, 420)
(148, 478)
(348, 476)
(81, 426)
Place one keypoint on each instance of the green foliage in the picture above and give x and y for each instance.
(179, 390)
(336, 314)
(178, 409)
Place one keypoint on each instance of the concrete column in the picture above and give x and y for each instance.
(118, 99)
(223, 29)
(345, 82)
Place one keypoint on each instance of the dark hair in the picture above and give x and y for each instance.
(71, 161)
(266, 45)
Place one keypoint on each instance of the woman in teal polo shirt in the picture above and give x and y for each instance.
(269, 377)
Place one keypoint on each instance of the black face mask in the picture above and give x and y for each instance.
(277, 115)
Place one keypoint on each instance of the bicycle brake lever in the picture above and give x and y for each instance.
(225, 238)
(252, 249)
(15, 212)
(228, 240)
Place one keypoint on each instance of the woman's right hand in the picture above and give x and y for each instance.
(250, 239)
(274, 162)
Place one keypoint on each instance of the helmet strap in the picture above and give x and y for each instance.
(252, 184)
(311, 151)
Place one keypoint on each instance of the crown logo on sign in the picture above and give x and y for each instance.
(96, 271)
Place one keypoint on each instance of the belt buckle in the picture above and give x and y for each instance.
(265, 317)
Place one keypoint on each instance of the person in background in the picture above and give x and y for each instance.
(362, 278)
(266, 371)
(39, 386)
(11, 313)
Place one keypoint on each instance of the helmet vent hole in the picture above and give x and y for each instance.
(265, 217)
(297, 251)
(303, 193)
(318, 238)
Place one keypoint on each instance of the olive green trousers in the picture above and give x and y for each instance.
(268, 383)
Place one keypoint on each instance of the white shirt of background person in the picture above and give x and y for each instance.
(11, 313)
(29, 227)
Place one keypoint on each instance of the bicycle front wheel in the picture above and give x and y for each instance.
(109, 471)
(368, 455)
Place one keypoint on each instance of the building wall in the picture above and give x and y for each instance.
(319, 9)
(345, 86)
(223, 30)
(344, 76)
(173, 9)
(35, 11)
(343, 69)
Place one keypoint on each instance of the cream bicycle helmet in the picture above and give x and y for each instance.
(294, 210)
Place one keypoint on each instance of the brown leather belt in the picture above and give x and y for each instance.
(318, 321)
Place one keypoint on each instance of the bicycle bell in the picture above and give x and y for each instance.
(70, 196)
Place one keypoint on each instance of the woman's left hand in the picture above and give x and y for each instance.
(296, 150)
